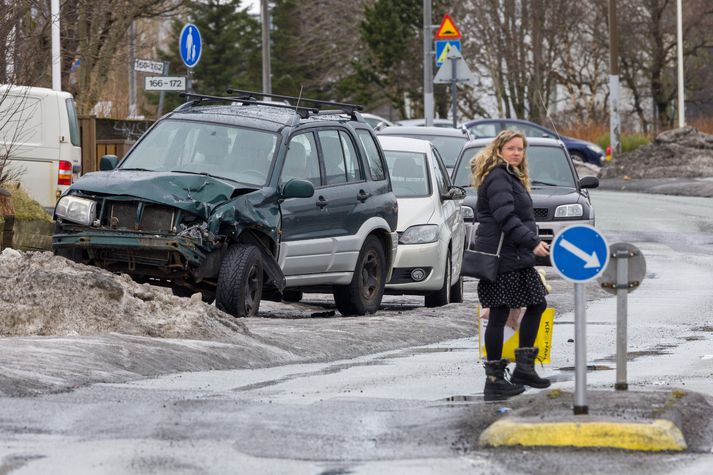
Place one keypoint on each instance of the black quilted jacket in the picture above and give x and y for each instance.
(505, 205)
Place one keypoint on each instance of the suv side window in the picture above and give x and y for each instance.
(333, 157)
(302, 160)
(376, 165)
(350, 158)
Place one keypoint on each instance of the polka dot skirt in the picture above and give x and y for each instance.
(515, 289)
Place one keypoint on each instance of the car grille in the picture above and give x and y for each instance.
(541, 212)
(153, 218)
(145, 258)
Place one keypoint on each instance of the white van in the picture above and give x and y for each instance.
(39, 131)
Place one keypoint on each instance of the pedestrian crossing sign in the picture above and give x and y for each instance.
(443, 47)
(448, 29)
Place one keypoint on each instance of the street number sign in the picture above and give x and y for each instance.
(579, 253)
(148, 66)
(165, 83)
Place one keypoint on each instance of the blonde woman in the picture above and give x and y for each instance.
(504, 208)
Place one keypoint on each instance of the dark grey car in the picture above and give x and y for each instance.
(559, 196)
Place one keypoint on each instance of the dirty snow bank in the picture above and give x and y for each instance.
(43, 294)
(677, 153)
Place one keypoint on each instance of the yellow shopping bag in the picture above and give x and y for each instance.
(511, 335)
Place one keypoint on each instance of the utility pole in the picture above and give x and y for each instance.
(681, 98)
(614, 121)
(266, 79)
(427, 65)
(132, 71)
(56, 64)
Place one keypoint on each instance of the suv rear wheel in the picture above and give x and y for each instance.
(363, 295)
(240, 281)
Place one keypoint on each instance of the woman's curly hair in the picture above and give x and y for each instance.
(490, 157)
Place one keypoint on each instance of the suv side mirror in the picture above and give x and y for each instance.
(588, 182)
(454, 193)
(297, 188)
(108, 162)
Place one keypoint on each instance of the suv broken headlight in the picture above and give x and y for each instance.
(420, 234)
(569, 211)
(77, 210)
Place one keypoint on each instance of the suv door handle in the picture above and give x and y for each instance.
(321, 202)
(363, 195)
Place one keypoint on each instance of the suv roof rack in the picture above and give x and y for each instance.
(302, 111)
(350, 109)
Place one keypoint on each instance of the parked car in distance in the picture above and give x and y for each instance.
(376, 122)
(422, 123)
(40, 135)
(579, 150)
(448, 141)
(559, 196)
(235, 198)
(431, 230)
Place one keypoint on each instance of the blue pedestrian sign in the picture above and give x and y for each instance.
(190, 45)
(579, 253)
(443, 47)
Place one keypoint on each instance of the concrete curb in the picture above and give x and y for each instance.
(653, 435)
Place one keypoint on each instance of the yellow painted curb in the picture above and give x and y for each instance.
(655, 436)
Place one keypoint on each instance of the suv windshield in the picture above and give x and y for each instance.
(549, 166)
(235, 153)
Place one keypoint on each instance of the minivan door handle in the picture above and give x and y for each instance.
(321, 202)
(363, 195)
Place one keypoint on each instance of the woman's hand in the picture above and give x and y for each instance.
(542, 249)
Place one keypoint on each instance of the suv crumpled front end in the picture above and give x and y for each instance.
(165, 228)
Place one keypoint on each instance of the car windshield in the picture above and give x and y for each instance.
(449, 147)
(548, 166)
(409, 174)
(238, 154)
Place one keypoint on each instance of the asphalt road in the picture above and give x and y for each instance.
(396, 392)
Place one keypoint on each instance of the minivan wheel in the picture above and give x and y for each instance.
(440, 297)
(363, 295)
(240, 279)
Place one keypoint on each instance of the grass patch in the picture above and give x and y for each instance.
(628, 142)
(26, 209)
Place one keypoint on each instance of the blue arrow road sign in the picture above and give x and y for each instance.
(579, 253)
(442, 48)
(190, 45)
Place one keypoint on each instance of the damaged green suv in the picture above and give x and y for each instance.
(241, 199)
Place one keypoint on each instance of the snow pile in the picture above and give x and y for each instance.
(679, 153)
(43, 294)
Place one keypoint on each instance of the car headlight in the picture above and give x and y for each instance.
(468, 213)
(596, 149)
(420, 234)
(569, 211)
(77, 210)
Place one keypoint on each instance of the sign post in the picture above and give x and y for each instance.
(580, 254)
(624, 274)
(190, 45)
(448, 47)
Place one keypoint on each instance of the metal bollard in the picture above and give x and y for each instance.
(622, 289)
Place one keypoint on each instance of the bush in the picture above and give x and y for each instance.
(26, 209)
(628, 142)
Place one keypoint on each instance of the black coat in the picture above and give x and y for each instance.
(505, 205)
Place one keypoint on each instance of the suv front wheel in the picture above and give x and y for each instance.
(239, 287)
(363, 295)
